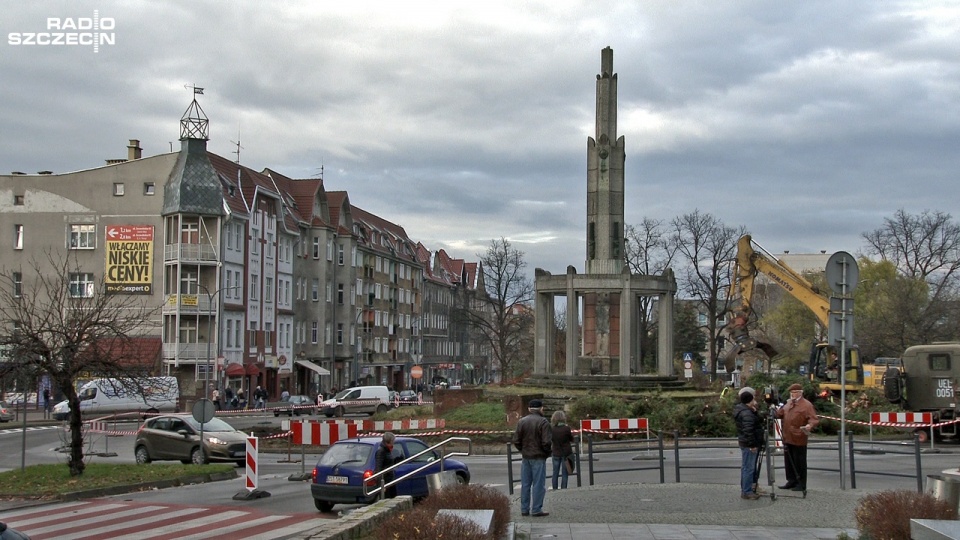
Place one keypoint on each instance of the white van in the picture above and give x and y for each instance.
(113, 396)
(359, 399)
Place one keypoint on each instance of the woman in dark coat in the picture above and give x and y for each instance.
(562, 448)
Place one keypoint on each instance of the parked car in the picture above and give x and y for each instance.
(6, 413)
(295, 405)
(6, 533)
(177, 437)
(407, 397)
(339, 475)
(359, 399)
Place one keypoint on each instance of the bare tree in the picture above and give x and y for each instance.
(66, 329)
(648, 252)
(502, 317)
(925, 247)
(707, 248)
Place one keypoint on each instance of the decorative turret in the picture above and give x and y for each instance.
(194, 186)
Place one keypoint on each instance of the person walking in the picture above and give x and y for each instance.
(46, 402)
(260, 396)
(799, 418)
(383, 459)
(215, 395)
(750, 437)
(534, 439)
(562, 448)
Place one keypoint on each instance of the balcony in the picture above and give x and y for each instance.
(195, 304)
(190, 253)
(189, 352)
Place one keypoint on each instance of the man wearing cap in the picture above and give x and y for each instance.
(534, 439)
(799, 418)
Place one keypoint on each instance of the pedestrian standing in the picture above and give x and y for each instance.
(562, 449)
(215, 396)
(750, 437)
(534, 439)
(799, 418)
(46, 402)
(385, 458)
(231, 398)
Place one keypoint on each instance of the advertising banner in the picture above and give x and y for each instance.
(129, 259)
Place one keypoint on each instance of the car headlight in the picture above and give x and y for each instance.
(218, 441)
(61, 407)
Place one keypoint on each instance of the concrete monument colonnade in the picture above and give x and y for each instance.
(629, 288)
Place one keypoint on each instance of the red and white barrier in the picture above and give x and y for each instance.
(319, 433)
(778, 434)
(618, 424)
(895, 418)
(393, 425)
(252, 461)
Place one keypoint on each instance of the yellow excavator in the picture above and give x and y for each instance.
(823, 366)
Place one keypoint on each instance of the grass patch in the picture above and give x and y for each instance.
(484, 415)
(50, 481)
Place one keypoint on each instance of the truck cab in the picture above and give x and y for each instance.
(926, 383)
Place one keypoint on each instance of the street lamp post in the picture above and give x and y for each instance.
(356, 364)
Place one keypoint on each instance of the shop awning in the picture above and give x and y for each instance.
(235, 370)
(313, 367)
(252, 369)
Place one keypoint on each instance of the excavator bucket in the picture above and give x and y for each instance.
(742, 346)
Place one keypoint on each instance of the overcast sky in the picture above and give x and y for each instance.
(806, 122)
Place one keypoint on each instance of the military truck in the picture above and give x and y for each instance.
(924, 382)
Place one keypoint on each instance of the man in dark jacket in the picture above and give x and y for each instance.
(534, 439)
(750, 438)
(383, 459)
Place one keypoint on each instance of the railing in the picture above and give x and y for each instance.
(189, 252)
(377, 479)
(511, 460)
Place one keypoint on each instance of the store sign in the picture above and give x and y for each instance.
(129, 259)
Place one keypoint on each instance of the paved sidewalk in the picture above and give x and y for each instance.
(689, 511)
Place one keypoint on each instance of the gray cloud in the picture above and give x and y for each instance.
(805, 122)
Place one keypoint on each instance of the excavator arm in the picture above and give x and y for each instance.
(749, 263)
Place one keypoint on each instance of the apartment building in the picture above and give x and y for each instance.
(259, 279)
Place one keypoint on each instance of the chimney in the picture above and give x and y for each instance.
(786, 251)
(133, 150)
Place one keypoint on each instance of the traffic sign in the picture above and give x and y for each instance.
(203, 411)
(416, 372)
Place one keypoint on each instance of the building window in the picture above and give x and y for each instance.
(254, 285)
(83, 236)
(18, 236)
(238, 328)
(190, 233)
(339, 333)
(118, 189)
(329, 250)
(149, 188)
(188, 282)
(316, 290)
(268, 289)
(229, 343)
(268, 336)
(17, 284)
(81, 285)
(340, 254)
(340, 293)
(316, 247)
(327, 333)
(268, 248)
(314, 328)
(255, 241)
(18, 200)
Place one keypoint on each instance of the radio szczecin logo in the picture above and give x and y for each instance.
(63, 31)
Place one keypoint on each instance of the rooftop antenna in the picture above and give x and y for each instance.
(319, 173)
(237, 143)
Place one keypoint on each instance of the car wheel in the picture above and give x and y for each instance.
(462, 479)
(323, 506)
(292, 412)
(197, 457)
(381, 408)
(143, 456)
(241, 463)
(276, 414)
(338, 412)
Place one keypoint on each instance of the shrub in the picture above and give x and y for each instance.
(471, 497)
(598, 406)
(425, 523)
(886, 515)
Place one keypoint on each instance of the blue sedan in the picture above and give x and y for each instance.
(339, 475)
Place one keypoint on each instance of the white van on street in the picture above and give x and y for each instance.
(359, 399)
(101, 397)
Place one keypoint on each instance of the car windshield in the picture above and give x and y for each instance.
(407, 393)
(341, 453)
(213, 425)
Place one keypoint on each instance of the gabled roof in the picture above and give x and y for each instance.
(380, 235)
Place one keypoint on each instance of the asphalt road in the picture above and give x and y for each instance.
(699, 465)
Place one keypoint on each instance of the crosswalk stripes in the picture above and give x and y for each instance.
(105, 519)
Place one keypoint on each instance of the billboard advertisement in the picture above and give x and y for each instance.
(129, 259)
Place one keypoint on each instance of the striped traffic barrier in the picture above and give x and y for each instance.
(319, 433)
(252, 459)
